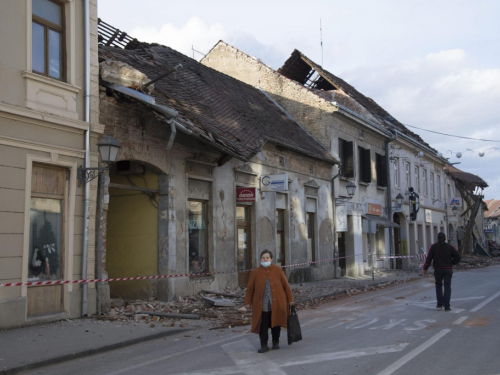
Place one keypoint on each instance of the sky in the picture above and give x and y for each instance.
(433, 65)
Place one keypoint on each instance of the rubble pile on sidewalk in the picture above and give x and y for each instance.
(219, 309)
(476, 261)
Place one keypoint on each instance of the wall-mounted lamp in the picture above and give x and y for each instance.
(454, 211)
(399, 201)
(108, 150)
(351, 189)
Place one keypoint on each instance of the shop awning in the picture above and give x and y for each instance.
(381, 221)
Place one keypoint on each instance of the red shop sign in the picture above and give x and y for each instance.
(245, 194)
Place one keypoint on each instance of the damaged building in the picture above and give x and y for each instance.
(211, 172)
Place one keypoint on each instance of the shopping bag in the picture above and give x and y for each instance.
(293, 330)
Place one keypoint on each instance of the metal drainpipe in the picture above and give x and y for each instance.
(389, 193)
(86, 188)
(335, 241)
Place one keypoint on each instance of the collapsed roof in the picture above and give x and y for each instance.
(230, 114)
(469, 180)
(303, 70)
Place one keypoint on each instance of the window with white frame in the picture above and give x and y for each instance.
(396, 172)
(417, 179)
(424, 181)
(47, 33)
(407, 172)
(449, 191)
(438, 186)
(432, 185)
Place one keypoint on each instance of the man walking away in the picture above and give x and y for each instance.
(443, 256)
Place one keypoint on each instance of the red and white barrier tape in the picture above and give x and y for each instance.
(87, 281)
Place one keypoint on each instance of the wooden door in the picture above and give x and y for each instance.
(46, 253)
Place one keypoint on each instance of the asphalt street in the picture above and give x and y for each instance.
(397, 330)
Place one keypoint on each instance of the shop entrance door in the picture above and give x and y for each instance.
(244, 255)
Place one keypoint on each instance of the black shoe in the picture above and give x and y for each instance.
(276, 346)
(263, 349)
(448, 308)
(439, 306)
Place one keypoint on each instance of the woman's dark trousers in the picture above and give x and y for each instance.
(265, 324)
(443, 276)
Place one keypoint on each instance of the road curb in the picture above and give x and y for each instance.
(88, 352)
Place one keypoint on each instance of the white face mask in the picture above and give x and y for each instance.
(265, 264)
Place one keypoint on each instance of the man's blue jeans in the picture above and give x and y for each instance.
(443, 277)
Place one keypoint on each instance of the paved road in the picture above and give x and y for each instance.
(396, 330)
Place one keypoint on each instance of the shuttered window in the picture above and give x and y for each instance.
(365, 171)
(381, 170)
(346, 154)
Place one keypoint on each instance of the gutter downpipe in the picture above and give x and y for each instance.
(335, 240)
(389, 192)
(86, 187)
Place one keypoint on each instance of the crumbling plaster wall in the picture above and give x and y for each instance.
(144, 139)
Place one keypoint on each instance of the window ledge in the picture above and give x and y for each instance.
(51, 81)
(383, 188)
(364, 183)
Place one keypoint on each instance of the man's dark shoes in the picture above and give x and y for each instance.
(447, 308)
(276, 346)
(263, 349)
(439, 306)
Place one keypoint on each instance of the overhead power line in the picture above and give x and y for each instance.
(452, 135)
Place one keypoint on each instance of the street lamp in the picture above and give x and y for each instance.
(454, 210)
(351, 189)
(399, 201)
(108, 150)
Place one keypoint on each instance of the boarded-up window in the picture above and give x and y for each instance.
(346, 154)
(364, 163)
(381, 166)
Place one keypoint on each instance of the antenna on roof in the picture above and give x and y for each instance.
(321, 40)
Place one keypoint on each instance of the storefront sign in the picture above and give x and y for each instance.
(428, 216)
(245, 194)
(456, 202)
(274, 182)
(374, 209)
(341, 218)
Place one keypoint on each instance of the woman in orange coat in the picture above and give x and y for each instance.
(269, 296)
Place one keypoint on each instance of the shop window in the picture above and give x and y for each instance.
(197, 225)
(346, 154)
(311, 248)
(280, 237)
(46, 241)
(381, 166)
(364, 163)
(47, 38)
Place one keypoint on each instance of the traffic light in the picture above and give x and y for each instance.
(414, 204)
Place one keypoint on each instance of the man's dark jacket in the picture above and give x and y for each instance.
(447, 259)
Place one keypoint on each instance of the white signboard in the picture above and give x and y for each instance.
(341, 218)
(456, 202)
(274, 182)
(428, 216)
